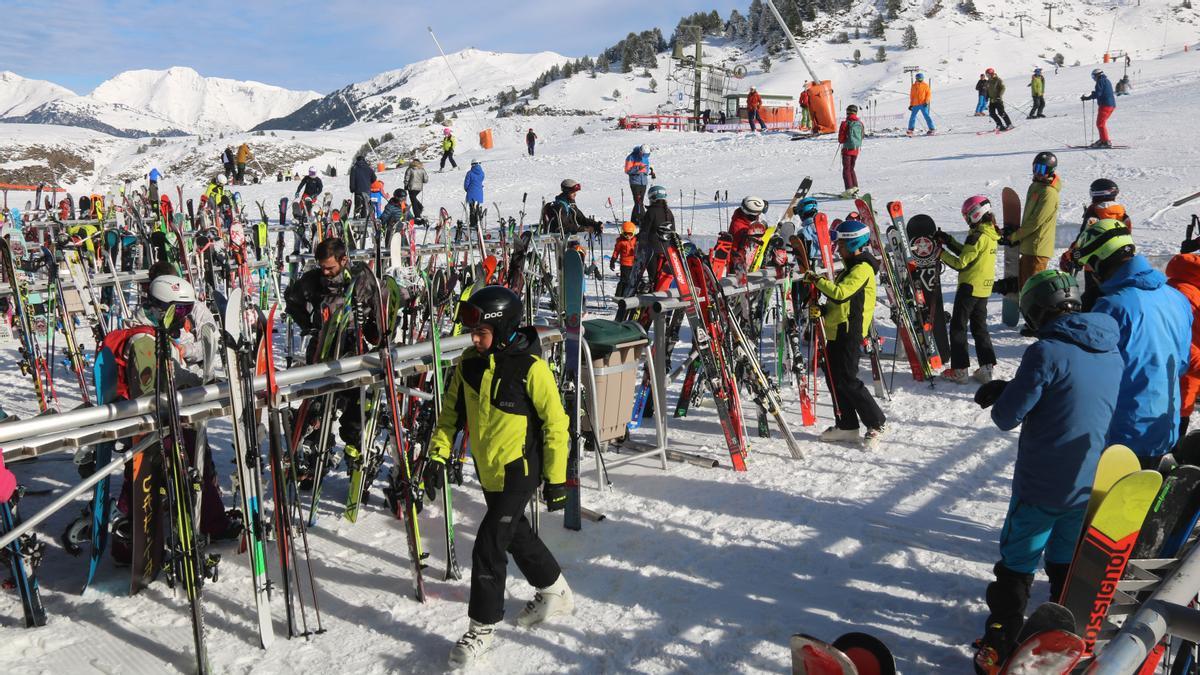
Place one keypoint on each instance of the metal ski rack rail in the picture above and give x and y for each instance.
(102, 279)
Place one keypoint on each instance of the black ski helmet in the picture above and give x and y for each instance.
(1104, 190)
(1045, 163)
(1046, 291)
(851, 109)
(494, 306)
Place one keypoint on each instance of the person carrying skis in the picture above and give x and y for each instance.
(976, 264)
(995, 94)
(473, 187)
(530, 141)
(1183, 274)
(311, 186)
(1155, 323)
(848, 315)
(243, 155)
(448, 145)
(1037, 89)
(1039, 220)
(919, 99)
(506, 394)
(562, 216)
(637, 167)
(1106, 103)
(850, 135)
(754, 108)
(745, 220)
(1063, 397)
(336, 287)
(624, 254)
(361, 177)
(981, 90)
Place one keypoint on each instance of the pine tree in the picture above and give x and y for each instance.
(894, 7)
(910, 37)
(616, 94)
(881, 54)
(857, 57)
(653, 85)
(877, 28)
(765, 63)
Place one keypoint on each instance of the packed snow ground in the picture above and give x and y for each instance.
(694, 570)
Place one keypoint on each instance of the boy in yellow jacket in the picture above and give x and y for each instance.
(506, 396)
(975, 261)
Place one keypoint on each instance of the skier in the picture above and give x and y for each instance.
(995, 94)
(530, 141)
(981, 89)
(649, 259)
(243, 156)
(1156, 333)
(919, 100)
(1104, 194)
(976, 264)
(850, 136)
(744, 221)
(637, 167)
(1106, 103)
(805, 113)
(228, 161)
(361, 177)
(624, 253)
(397, 212)
(1183, 274)
(311, 186)
(807, 209)
(518, 442)
(753, 107)
(448, 145)
(563, 216)
(215, 194)
(1063, 396)
(848, 317)
(1037, 89)
(1039, 220)
(319, 295)
(473, 186)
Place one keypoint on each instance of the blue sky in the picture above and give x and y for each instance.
(305, 44)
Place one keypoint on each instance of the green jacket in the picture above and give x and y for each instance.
(1040, 219)
(1037, 85)
(511, 404)
(975, 260)
(851, 306)
(995, 89)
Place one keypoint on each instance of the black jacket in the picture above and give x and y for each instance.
(981, 87)
(311, 186)
(361, 177)
(313, 299)
(656, 215)
(562, 211)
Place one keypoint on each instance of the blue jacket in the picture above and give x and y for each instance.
(1065, 391)
(637, 166)
(1103, 93)
(473, 184)
(1155, 321)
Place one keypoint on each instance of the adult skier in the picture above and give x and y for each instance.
(415, 178)
(995, 94)
(1183, 274)
(746, 219)
(981, 90)
(1155, 324)
(563, 216)
(396, 213)
(1037, 89)
(506, 394)
(754, 108)
(805, 113)
(1040, 218)
(650, 253)
(637, 167)
(624, 254)
(243, 155)
(919, 100)
(448, 145)
(850, 135)
(229, 161)
(848, 315)
(361, 177)
(1063, 396)
(976, 264)
(473, 187)
(152, 189)
(530, 141)
(1106, 103)
(311, 186)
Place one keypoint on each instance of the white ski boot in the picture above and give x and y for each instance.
(983, 374)
(957, 376)
(472, 645)
(870, 439)
(549, 602)
(836, 435)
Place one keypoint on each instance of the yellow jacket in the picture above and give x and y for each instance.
(852, 298)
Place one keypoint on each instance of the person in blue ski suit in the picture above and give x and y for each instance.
(1063, 396)
(473, 185)
(637, 167)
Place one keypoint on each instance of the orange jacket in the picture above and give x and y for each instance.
(919, 94)
(754, 100)
(625, 251)
(1183, 274)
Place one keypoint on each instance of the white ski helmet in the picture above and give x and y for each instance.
(221, 179)
(169, 300)
(754, 205)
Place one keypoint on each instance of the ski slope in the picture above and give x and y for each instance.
(693, 570)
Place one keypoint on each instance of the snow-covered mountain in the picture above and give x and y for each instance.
(20, 95)
(200, 104)
(420, 87)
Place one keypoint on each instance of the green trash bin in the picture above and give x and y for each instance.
(616, 348)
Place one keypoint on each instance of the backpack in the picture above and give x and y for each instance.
(117, 341)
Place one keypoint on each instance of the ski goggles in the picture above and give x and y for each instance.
(469, 315)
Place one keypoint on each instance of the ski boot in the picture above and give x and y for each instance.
(836, 435)
(557, 599)
(983, 374)
(993, 649)
(870, 439)
(955, 375)
(472, 645)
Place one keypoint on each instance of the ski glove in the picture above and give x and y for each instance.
(431, 477)
(987, 394)
(555, 495)
(1083, 98)
(942, 238)
(1190, 246)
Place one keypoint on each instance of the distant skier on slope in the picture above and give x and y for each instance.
(976, 264)
(639, 171)
(753, 109)
(919, 100)
(448, 145)
(1106, 103)
(981, 90)
(1037, 89)
(1063, 396)
(530, 141)
(850, 135)
(995, 94)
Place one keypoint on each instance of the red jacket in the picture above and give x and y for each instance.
(739, 230)
(625, 251)
(754, 100)
(1183, 274)
(804, 99)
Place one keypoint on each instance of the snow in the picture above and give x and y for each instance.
(19, 95)
(694, 570)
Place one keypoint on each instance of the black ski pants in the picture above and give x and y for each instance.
(505, 530)
(414, 200)
(969, 312)
(639, 201)
(854, 401)
(447, 155)
(1039, 106)
(996, 110)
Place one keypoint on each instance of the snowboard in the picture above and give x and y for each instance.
(1047, 642)
(811, 656)
(1104, 551)
(926, 274)
(1011, 309)
(868, 653)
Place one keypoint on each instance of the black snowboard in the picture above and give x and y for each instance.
(927, 277)
(1175, 505)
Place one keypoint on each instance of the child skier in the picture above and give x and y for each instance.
(976, 264)
(624, 253)
(744, 222)
(850, 135)
(847, 320)
(505, 393)
(1039, 219)
(1063, 396)
(1104, 194)
(378, 198)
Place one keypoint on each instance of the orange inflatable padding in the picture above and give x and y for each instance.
(820, 102)
(485, 139)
